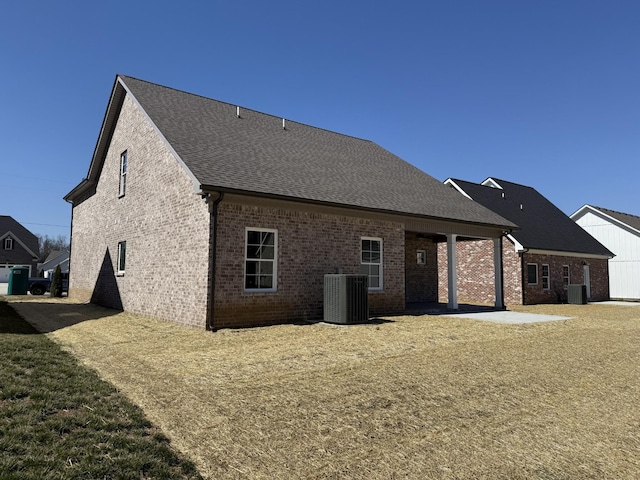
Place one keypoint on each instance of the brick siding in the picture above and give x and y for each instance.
(421, 281)
(310, 245)
(476, 283)
(165, 225)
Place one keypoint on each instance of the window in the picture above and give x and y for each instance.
(371, 261)
(8, 243)
(545, 277)
(421, 257)
(122, 257)
(566, 275)
(261, 253)
(532, 273)
(123, 173)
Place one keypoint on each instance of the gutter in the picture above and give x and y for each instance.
(213, 212)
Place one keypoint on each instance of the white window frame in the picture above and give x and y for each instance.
(122, 258)
(8, 243)
(537, 276)
(380, 263)
(122, 185)
(545, 277)
(566, 277)
(274, 260)
(421, 257)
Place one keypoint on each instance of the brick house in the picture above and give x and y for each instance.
(540, 259)
(620, 233)
(18, 248)
(207, 214)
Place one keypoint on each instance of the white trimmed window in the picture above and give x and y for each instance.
(260, 260)
(532, 273)
(371, 261)
(8, 243)
(123, 174)
(545, 276)
(566, 275)
(122, 257)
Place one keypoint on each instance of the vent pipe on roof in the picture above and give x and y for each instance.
(502, 194)
(284, 124)
(521, 207)
(238, 112)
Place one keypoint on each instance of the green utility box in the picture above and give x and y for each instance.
(18, 281)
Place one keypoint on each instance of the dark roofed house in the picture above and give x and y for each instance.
(620, 233)
(208, 214)
(18, 247)
(547, 253)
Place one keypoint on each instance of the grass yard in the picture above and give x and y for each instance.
(60, 420)
(415, 397)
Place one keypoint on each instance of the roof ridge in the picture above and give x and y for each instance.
(245, 108)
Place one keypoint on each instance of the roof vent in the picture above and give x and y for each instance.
(284, 124)
(502, 194)
(521, 207)
(238, 112)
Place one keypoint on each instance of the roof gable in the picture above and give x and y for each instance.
(28, 241)
(543, 226)
(230, 149)
(631, 222)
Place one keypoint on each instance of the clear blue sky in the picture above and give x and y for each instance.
(543, 93)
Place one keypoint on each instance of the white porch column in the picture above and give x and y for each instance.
(452, 271)
(497, 269)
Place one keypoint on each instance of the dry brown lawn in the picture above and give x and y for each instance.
(416, 397)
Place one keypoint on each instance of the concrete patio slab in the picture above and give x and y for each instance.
(509, 317)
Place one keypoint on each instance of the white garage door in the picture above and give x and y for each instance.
(6, 270)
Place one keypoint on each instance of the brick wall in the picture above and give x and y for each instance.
(165, 225)
(556, 293)
(310, 245)
(421, 281)
(476, 282)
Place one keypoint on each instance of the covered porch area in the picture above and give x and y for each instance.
(431, 266)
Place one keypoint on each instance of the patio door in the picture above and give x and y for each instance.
(587, 280)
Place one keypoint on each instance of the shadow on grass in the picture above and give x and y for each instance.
(50, 316)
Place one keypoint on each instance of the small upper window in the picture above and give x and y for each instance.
(123, 173)
(8, 243)
(122, 257)
(371, 261)
(421, 257)
(545, 277)
(532, 273)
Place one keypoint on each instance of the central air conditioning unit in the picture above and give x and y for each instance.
(346, 298)
(577, 294)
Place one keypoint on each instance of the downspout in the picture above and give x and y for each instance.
(70, 247)
(213, 215)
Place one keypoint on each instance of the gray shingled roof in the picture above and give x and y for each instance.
(543, 226)
(631, 220)
(9, 224)
(255, 154)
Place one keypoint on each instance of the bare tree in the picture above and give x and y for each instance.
(49, 244)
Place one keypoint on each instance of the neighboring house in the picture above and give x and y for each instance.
(620, 233)
(55, 258)
(208, 214)
(18, 247)
(548, 252)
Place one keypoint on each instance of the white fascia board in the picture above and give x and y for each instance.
(518, 246)
(490, 182)
(567, 254)
(611, 219)
(453, 184)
